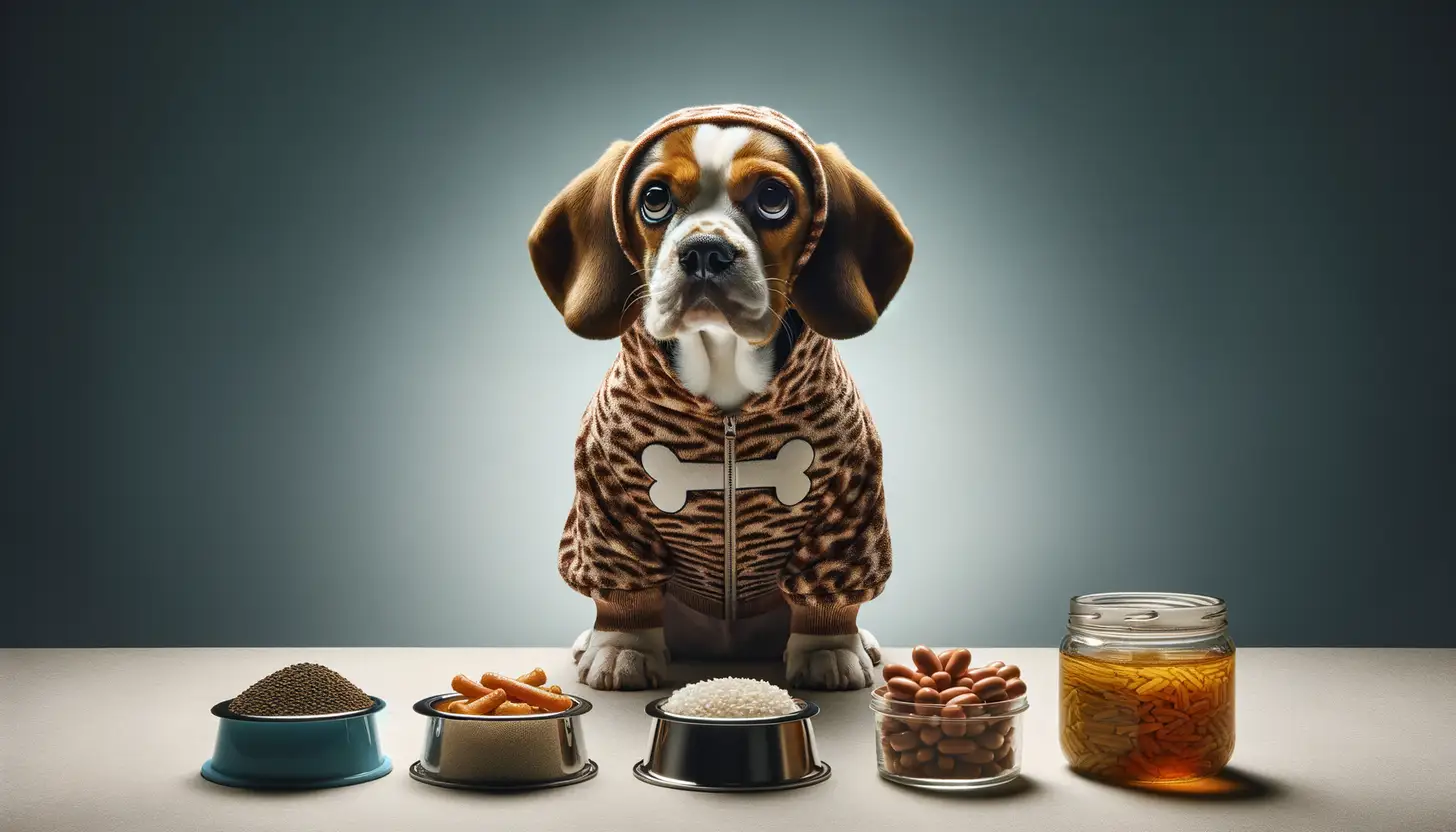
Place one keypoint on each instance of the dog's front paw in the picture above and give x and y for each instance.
(635, 660)
(828, 662)
(580, 645)
(871, 646)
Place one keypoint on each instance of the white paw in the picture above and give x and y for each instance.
(871, 646)
(828, 662)
(635, 660)
(579, 646)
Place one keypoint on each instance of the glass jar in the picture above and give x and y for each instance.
(1147, 687)
(947, 747)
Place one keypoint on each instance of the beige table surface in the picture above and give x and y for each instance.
(100, 740)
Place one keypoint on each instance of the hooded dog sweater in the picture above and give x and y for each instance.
(731, 513)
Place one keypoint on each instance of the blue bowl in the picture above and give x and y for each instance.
(296, 752)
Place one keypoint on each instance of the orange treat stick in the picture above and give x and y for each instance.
(486, 703)
(543, 699)
(514, 709)
(468, 687)
(535, 678)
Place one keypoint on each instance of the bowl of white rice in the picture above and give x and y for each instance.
(729, 735)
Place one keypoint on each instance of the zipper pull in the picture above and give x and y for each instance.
(730, 426)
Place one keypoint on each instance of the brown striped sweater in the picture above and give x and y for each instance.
(824, 551)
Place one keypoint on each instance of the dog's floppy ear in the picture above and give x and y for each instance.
(575, 253)
(862, 257)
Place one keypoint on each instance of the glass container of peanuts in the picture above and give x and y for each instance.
(945, 725)
(1147, 687)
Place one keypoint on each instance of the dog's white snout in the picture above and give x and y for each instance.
(787, 474)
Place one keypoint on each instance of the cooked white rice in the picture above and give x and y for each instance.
(730, 698)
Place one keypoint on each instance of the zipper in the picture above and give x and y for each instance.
(730, 519)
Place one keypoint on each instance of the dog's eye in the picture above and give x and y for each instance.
(656, 203)
(773, 199)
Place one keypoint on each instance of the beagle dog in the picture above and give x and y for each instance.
(729, 501)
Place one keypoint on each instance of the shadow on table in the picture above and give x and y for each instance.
(1022, 786)
(1232, 784)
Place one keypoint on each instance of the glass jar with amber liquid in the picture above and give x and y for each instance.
(1147, 687)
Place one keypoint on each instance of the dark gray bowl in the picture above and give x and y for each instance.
(732, 755)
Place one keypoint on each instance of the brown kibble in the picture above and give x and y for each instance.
(904, 686)
(1009, 672)
(941, 680)
(897, 671)
(978, 754)
(951, 693)
(953, 726)
(965, 699)
(991, 740)
(980, 673)
(303, 689)
(904, 741)
(945, 763)
(975, 728)
(956, 746)
(958, 663)
(930, 735)
(989, 687)
(925, 755)
(907, 759)
(926, 660)
(927, 701)
(1016, 688)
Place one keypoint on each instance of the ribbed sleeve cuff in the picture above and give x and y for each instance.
(823, 620)
(620, 610)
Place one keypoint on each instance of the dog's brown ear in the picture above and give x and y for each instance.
(862, 257)
(575, 253)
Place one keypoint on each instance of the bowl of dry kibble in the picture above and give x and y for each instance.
(301, 727)
(942, 724)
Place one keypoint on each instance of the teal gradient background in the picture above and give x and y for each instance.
(276, 370)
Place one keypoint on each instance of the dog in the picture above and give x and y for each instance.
(729, 502)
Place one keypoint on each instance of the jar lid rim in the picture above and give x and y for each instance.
(1158, 611)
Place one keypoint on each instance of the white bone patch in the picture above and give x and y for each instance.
(786, 474)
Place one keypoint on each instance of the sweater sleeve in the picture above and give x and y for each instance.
(609, 551)
(842, 558)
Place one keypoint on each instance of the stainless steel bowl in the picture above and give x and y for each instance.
(732, 755)
(502, 753)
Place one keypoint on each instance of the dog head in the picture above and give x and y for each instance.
(721, 218)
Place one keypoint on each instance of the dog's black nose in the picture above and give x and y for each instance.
(704, 256)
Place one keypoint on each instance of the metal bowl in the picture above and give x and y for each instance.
(502, 753)
(732, 755)
(296, 752)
